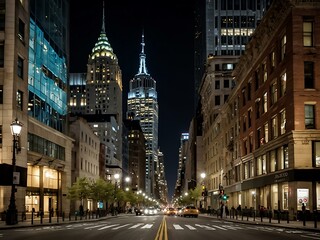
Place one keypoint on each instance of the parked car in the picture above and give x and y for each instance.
(190, 211)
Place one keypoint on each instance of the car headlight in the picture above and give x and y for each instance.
(146, 211)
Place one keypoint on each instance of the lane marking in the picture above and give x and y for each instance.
(147, 226)
(220, 228)
(205, 227)
(177, 227)
(135, 226)
(190, 227)
(108, 226)
(96, 226)
(122, 226)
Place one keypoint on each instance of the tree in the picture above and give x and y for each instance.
(79, 190)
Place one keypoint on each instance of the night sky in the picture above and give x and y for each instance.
(168, 31)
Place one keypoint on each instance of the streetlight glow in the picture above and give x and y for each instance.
(12, 213)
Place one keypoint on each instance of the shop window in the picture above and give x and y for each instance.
(285, 197)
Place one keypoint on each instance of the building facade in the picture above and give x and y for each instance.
(269, 129)
(35, 79)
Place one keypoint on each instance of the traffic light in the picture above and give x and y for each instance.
(225, 197)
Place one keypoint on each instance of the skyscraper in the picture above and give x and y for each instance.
(143, 104)
(101, 105)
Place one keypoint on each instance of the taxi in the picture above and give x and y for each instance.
(190, 211)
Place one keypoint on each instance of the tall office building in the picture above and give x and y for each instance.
(222, 30)
(34, 67)
(143, 104)
(101, 105)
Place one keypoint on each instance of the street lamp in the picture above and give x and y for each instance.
(127, 180)
(12, 213)
(116, 177)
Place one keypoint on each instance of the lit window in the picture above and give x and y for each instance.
(309, 116)
(308, 33)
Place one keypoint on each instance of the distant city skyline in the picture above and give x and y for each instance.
(169, 48)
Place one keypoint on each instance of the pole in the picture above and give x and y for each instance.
(12, 214)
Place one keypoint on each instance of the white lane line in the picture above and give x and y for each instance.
(205, 227)
(135, 226)
(147, 226)
(190, 227)
(177, 227)
(309, 237)
(95, 226)
(220, 227)
(120, 226)
(108, 226)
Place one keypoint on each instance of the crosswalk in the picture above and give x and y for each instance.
(104, 226)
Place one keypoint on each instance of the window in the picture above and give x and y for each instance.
(217, 84)
(20, 67)
(249, 91)
(273, 92)
(274, 124)
(308, 75)
(249, 117)
(2, 15)
(265, 72)
(283, 46)
(257, 104)
(283, 84)
(0, 136)
(273, 161)
(309, 116)
(266, 133)
(21, 30)
(273, 60)
(19, 100)
(283, 122)
(316, 154)
(307, 33)
(244, 123)
(217, 100)
(265, 102)
(226, 83)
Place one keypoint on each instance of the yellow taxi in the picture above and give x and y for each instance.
(170, 211)
(190, 211)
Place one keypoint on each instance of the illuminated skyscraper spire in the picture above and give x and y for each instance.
(103, 29)
(142, 67)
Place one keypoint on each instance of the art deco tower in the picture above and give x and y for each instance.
(143, 105)
(103, 107)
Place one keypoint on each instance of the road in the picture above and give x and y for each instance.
(157, 227)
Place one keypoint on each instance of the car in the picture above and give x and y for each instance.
(171, 211)
(138, 211)
(179, 211)
(190, 211)
(150, 211)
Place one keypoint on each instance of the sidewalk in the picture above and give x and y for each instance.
(54, 221)
(297, 225)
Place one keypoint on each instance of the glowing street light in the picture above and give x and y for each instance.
(12, 213)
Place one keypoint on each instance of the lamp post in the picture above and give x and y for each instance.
(116, 177)
(127, 180)
(12, 213)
